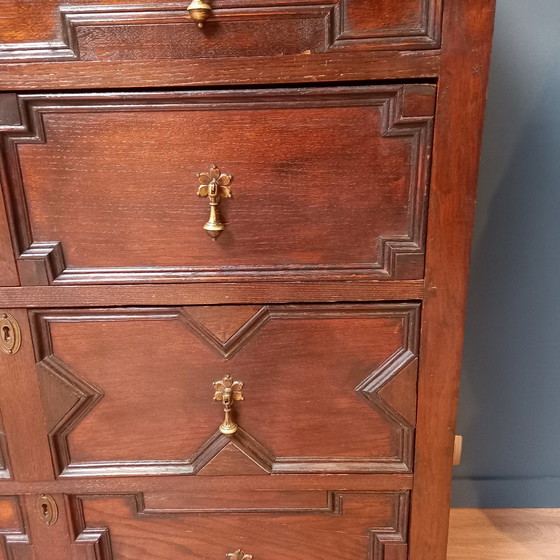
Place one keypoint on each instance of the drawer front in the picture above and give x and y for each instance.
(145, 30)
(325, 183)
(314, 525)
(312, 389)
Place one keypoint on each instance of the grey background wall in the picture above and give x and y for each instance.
(510, 394)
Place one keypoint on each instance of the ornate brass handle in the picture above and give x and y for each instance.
(199, 11)
(228, 391)
(214, 185)
(238, 555)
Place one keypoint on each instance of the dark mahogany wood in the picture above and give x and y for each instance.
(103, 187)
(328, 67)
(14, 538)
(351, 524)
(341, 377)
(457, 147)
(336, 293)
(209, 293)
(166, 486)
(28, 456)
(148, 30)
(9, 117)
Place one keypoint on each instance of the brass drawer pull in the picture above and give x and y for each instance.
(238, 555)
(199, 11)
(214, 185)
(228, 391)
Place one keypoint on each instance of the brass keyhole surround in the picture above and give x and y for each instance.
(10, 334)
(46, 509)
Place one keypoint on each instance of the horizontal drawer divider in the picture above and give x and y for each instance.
(116, 485)
(209, 293)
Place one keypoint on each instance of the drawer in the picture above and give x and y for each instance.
(229, 390)
(144, 30)
(309, 525)
(310, 183)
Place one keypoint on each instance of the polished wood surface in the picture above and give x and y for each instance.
(352, 407)
(504, 534)
(335, 294)
(329, 67)
(304, 205)
(147, 30)
(341, 519)
(199, 293)
(452, 202)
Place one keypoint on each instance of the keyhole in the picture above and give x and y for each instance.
(45, 510)
(6, 336)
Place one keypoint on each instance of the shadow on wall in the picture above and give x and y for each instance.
(510, 393)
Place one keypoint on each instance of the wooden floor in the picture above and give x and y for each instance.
(504, 534)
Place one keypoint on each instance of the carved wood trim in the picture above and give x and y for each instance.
(5, 473)
(15, 542)
(88, 394)
(226, 349)
(330, 13)
(87, 397)
(331, 505)
(387, 543)
(393, 544)
(42, 262)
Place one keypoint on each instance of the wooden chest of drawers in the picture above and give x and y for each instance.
(234, 261)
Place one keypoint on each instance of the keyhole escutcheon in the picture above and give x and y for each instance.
(46, 509)
(10, 334)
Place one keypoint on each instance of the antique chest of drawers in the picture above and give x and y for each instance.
(234, 243)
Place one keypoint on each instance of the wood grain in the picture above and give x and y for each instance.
(14, 534)
(353, 525)
(211, 293)
(467, 30)
(147, 30)
(504, 534)
(301, 68)
(29, 455)
(119, 407)
(89, 359)
(294, 210)
(161, 485)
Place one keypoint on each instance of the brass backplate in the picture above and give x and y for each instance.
(10, 334)
(228, 391)
(46, 509)
(214, 185)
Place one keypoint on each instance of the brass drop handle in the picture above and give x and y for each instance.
(199, 11)
(214, 186)
(228, 391)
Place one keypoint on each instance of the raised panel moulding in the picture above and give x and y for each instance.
(111, 33)
(405, 112)
(126, 514)
(68, 398)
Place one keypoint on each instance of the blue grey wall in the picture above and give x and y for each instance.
(510, 393)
